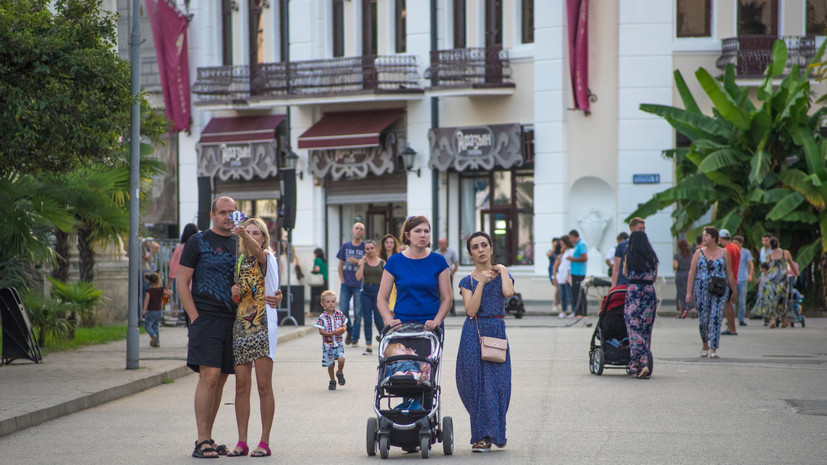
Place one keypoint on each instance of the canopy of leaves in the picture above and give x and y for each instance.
(757, 167)
(64, 92)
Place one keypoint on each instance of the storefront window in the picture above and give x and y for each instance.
(500, 203)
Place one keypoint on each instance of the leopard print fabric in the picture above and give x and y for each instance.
(250, 338)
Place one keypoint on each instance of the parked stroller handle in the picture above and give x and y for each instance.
(410, 325)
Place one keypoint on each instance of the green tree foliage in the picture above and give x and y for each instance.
(757, 166)
(64, 91)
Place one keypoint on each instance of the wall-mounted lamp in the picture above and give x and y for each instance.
(265, 4)
(234, 5)
(290, 161)
(408, 159)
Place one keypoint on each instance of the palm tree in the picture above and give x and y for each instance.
(755, 168)
(28, 214)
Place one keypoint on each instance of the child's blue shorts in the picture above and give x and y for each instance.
(330, 354)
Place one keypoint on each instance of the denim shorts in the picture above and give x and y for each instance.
(331, 354)
(211, 343)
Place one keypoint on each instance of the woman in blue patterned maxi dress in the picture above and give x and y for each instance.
(484, 387)
(708, 261)
(640, 265)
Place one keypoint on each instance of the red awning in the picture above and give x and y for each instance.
(240, 129)
(348, 129)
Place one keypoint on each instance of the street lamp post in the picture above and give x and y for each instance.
(132, 333)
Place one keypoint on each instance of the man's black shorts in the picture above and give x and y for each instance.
(211, 343)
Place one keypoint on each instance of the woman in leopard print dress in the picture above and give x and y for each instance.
(251, 338)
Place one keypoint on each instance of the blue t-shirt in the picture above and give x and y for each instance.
(743, 265)
(417, 286)
(579, 268)
(349, 250)
(620, 252)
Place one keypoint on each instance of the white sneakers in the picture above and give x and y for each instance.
(566, 315)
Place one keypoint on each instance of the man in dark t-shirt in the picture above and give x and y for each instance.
(618, 276)
(205, 279)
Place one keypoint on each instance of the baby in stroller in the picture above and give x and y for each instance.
(421, 372)
(408, 370)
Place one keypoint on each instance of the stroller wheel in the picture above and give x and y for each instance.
(370, 438)
(384, 446)
(424, 446)
(597, 362)
(447, 435)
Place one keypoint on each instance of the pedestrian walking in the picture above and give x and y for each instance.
(641, 269)
(710, 265)
(579, 264)
(154, 308)
(618, 278)
(422, 279)
(746, 271)
(189, 230)
(331, 324)
(775, 289)
(681, 263)
(453, 263)
(484, 387)
(370, 273)
(562, 277)
(734, 256)
(349, 255)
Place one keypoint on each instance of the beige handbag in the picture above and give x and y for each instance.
(492, 349)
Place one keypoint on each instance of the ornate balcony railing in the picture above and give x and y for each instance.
(382, 74)
(470, 67)
(752, 54)
(222, 84)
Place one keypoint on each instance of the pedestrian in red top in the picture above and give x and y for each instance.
(735, 257)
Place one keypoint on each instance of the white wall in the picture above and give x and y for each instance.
(549, 135)
(646, 32)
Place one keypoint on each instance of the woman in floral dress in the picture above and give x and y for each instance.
(484, 387)
(641, 267)
(775, 287)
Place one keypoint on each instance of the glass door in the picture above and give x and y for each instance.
(498, 224)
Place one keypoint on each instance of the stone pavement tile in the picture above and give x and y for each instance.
(69, 381)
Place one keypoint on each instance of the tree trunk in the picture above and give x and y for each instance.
(86, 255)
(61, 270)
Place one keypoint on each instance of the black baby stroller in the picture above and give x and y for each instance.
(407, 405)
(610, 341)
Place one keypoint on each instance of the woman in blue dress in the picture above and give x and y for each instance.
(708, 261)
(422, 279)
(640, 266)
(484, 387)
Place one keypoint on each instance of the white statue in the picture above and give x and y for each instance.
(593, 227)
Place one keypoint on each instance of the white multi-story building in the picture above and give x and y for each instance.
(460, 110)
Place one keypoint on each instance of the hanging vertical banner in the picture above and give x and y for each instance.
(169, 30)
(578, 24)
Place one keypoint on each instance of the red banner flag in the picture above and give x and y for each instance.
(578, 24)
(169, 29)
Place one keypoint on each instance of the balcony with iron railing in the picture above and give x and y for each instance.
(753, 53)
(470, 71)
(371, 77)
